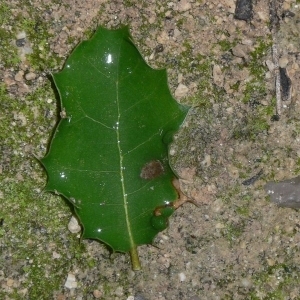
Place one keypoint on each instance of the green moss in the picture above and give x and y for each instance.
(256, 64)
(287, 280)
(36, 30)
(31, 223)
(8, 54)
(236, 86)
(128, 3)
(244, 203)
(226, 45)
(180, 22)
(258, 120)
(297, 170)
(206, 90)
(34, 223)
(255, 88)
(233, 231)
(242, 210)
(5, 13)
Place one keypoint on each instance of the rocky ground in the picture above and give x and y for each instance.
(236, 244)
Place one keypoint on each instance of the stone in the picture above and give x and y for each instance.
(71, 281)
(97, 294)
(240, 51)
(285, 193)
(285, 84)
(73, 225)
(30, 76)
(184, 5)
(230, 5)
(181, 91)
(182, 277)
(283, 61)
(243, 10)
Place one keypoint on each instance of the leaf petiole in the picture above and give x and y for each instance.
(136, 265)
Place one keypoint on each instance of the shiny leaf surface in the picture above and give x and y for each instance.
(109, 153)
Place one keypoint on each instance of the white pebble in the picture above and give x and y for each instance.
(71, 281)
(172, 151)
(182, 277)
(73, 225)
(270, 65)
(21, 35)
(55, 255)
(30, 76)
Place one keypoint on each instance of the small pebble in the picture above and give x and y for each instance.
(21, 35)
(181, 91)
(219, 226)
(283, 61)
(270, 65)
(230, 5)
(30, 76)
(21, 39)
(240, 51)
(159, 48)
(10, 282)
(172, 151)
(243, 10)
(20, 42)
(184, 5)
(73, 225)
(285, 83)
(182, 277)
(71, 281)
(97, 294)
(55, 255)
(263, 15)
(285, 193)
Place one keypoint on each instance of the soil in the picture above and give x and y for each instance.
(236, 244)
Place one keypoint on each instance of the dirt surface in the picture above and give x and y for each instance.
(236, 244)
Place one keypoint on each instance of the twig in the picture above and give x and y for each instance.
(274, 23)
(277, 77)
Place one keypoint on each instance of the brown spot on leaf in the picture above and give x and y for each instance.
(152, 169)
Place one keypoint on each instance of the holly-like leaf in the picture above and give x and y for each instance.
(109, 153)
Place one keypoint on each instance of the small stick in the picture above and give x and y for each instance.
(277, 78)
(274, 23)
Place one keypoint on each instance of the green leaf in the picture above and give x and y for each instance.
(109, 153)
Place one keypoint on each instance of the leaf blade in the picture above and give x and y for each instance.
(118, 109)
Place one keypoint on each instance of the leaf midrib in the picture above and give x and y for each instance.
(131, 240)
